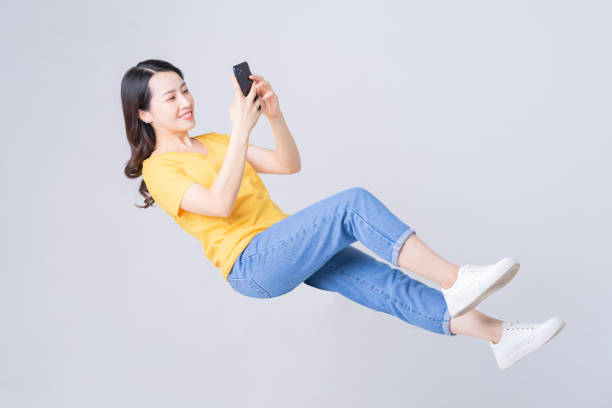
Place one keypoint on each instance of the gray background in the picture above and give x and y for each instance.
(483, 125)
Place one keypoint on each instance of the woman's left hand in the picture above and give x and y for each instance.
(269, 100)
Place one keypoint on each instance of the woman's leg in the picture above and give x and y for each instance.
(419, 258)
(477, 324)
(378, 286)
(374, 284)
(288, 252)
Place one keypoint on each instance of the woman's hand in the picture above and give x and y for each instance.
(244, 111)
(269, 100)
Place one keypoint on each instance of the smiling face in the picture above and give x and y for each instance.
(170, 99)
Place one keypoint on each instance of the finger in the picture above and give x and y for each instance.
(264, 88)
(265, 85)
(258, 88)
(260, 82)
(252, 93)
(235, 86)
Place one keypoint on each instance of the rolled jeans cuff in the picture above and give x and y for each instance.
(398, 245)
(446, 324)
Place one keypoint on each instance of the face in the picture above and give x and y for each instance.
(170, 98)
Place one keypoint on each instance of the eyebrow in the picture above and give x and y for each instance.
(172, 90)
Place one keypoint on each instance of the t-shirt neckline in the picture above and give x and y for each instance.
(173, 152)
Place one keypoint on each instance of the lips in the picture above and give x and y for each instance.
(186, 113)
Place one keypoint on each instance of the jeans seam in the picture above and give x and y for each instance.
(253, 284)
(378, 291)
(314, 224)
(259, 288)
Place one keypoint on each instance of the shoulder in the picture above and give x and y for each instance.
(160, 166)
(220, 137)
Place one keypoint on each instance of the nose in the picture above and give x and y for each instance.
(185, 101)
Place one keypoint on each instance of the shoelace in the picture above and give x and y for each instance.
(470, 269)
(516, 325)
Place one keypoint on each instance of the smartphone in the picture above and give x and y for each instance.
(242, 73)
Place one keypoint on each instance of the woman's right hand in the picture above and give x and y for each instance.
(244, 111)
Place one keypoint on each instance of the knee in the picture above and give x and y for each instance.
(356, 197)
(358, 192)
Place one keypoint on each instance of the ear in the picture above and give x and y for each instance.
(144, 116)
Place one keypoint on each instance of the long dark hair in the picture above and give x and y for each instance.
(135, 94)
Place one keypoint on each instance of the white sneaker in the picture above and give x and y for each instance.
(474, 283)
(519, 339)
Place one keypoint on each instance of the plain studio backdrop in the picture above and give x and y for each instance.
(483, 125)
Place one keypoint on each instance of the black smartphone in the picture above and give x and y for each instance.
(242, 73)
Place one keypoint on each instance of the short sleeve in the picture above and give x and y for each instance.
(167, 184)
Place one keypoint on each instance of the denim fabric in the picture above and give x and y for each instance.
(314, 246)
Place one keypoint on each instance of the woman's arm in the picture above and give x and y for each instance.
(286, 149)
(264, 160)
(227, 183)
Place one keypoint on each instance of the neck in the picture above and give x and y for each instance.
(172, 141)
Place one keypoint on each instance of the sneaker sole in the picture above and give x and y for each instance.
(561, 325)
(555, 325)
(510, 267)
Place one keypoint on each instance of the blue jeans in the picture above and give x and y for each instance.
(313, 246)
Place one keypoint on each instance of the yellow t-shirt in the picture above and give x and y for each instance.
(168, 175)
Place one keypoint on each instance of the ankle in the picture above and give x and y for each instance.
(496, 334)
(451, 277)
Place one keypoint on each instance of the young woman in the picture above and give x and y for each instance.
(210, 186)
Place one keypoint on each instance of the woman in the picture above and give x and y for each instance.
(210, 186)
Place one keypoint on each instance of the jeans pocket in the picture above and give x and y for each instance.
(248, 287)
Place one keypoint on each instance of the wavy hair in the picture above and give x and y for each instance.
(135, 94)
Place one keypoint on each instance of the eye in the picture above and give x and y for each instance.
(171, 98)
